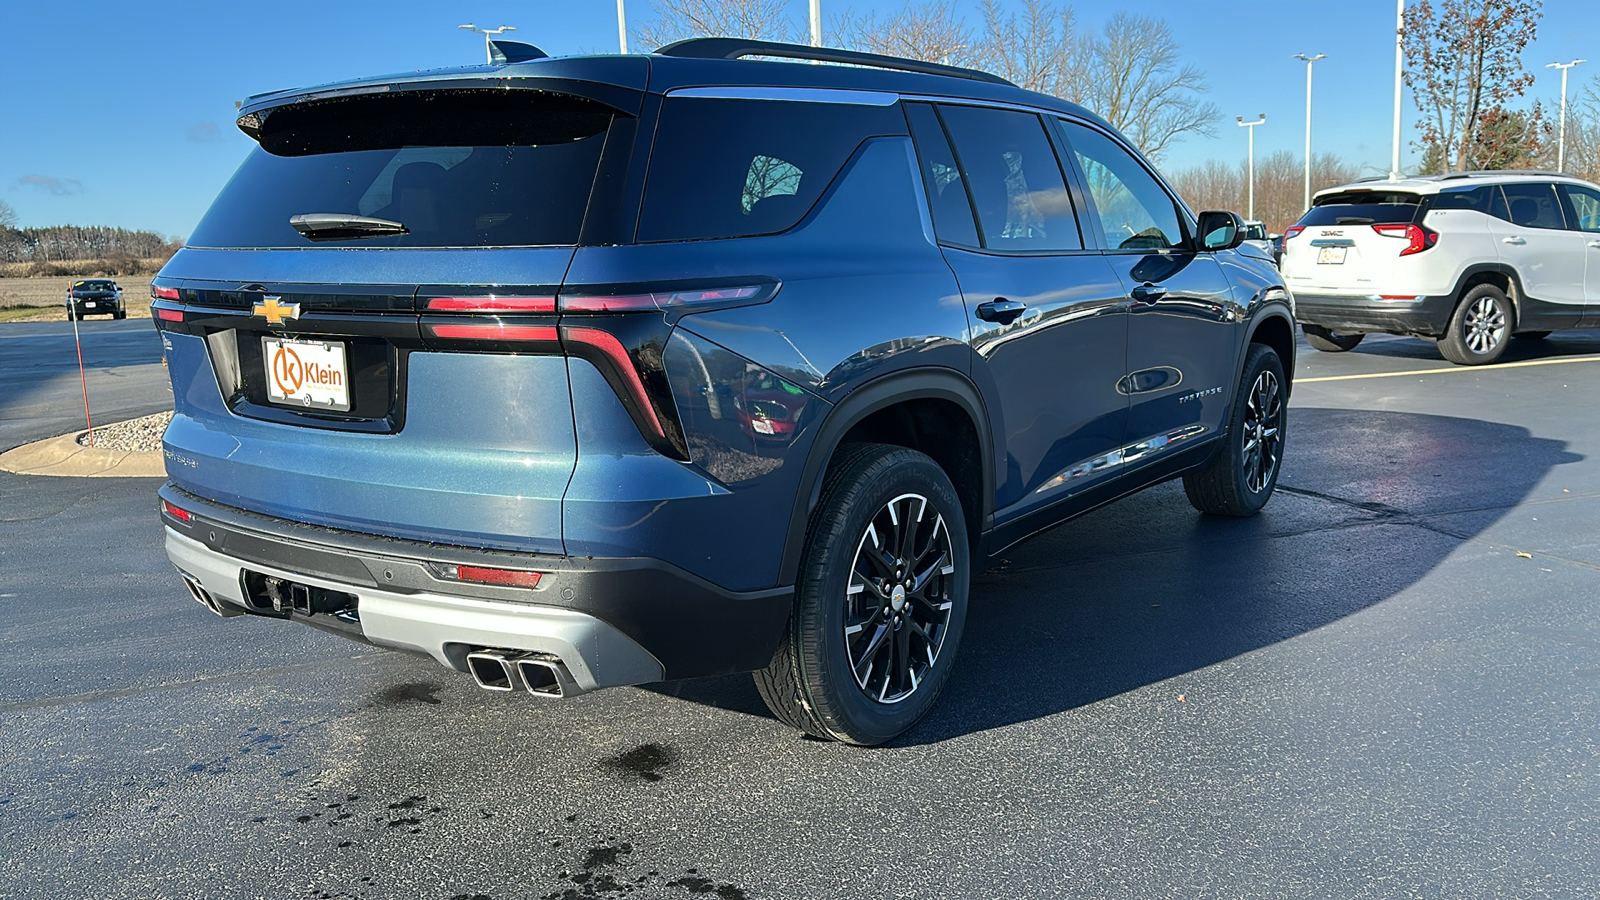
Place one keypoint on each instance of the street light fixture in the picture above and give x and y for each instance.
(1251, 177)
(1561, 142)
(1309, 60)
(488, 54)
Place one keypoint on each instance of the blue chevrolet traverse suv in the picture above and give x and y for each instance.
(595, 371)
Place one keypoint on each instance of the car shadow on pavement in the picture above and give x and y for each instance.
(1147, 589)
(1557, 345)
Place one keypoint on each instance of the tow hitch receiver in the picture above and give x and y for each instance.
(273, 595)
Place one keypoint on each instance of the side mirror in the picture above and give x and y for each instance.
(1220, 230)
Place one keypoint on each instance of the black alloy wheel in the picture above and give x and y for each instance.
(1240, 479)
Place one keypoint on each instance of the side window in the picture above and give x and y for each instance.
(1016, 182)
(1135, 212)
(735, 168)
(1475, 199)
(1534, 205)
(947, 193)
(1586, 206)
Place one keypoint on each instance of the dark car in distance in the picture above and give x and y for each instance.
(94, 297)
(581, 372)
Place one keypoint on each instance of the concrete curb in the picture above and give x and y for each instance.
(63, 456)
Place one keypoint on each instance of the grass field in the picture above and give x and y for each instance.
(44, 299)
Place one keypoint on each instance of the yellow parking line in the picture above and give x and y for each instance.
(1453, 370)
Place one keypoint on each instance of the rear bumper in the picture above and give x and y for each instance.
(610, 621)
(1424, 316)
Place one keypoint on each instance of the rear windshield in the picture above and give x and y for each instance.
(95, 286)
(1363, 208)
(732, 168)
(457, 168)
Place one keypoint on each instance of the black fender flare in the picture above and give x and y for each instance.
(1498, 268)
(908, 384)
(1274, 304)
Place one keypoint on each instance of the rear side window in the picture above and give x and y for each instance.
(735, 168)
(1480, 199)
(947, 192)
(1364, 208)
(1016, 181)
(1534, 205)
(459, 168)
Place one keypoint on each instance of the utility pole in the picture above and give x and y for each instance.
(1561, 142)
(1399, 75)
(816, 23)
(488, 54)
(622, 27)
(1309, 60)
(1251, 169)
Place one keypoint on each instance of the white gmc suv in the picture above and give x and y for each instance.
(1469, 259)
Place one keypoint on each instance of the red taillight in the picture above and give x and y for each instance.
(493, 304)
(1417, 238)
(1291, 231)
(664, 301)
(489, 575)
(169, 315)
(494, 331)
(164, 293)
(621, 366)
(182, 515)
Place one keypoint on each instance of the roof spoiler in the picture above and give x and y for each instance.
(737, 48)
(504, 53)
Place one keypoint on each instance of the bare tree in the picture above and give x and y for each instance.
(674, 20)
(8, 216)
(930, 31)
(1035, 50)
(1464, 68)
(1216, 185)
(1130, 74)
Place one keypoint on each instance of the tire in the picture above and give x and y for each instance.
(73, 314)
(851, 664)
(1329, 342)
(120, 314)
(1241, 478)
(1480, 327)
(1531, 335)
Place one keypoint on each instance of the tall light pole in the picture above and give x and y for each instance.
(1399, 75)
(1309, 60)
(816, 23)
(1561, 142)
(622, 28)
(488, 54)
(1251, 166)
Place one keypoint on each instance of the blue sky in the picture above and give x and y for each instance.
(120, 113)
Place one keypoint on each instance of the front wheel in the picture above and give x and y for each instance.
(1328, 341)
(1479, 329)
(1240, 480)
(881, 600)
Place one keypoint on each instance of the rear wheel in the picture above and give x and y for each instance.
(1240, 480)
(1479, 329)
(1328, 341)
(1531, 335)
(881, 601)
(120, 314)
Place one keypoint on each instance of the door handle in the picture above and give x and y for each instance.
(1148, 293)
(1513, 240)
(1001, 311)
(1595, 244)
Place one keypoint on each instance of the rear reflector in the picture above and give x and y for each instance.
(181, 515)
(494, 331)
(164, 293)
(488, 575)
(493, 304)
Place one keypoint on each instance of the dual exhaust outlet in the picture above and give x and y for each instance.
(512, 670)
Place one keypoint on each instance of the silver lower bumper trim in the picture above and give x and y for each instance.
(448, 628)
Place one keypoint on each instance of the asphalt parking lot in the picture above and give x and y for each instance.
(1383, 686)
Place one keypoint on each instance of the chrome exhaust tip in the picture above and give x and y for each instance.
(493, 671)
(204, 598)
(547, 678)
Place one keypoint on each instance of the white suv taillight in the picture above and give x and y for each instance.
(1417, 237)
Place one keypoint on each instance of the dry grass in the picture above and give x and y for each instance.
(44, 299)
(111, 267)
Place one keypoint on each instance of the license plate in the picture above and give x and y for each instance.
(89, 304)
(1332, 256)
(308, 374)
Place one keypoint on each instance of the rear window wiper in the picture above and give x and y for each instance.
(344, 226)
(1353, 220)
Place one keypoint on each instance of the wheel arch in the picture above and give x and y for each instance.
(1275, 328)
(900, 408)
(1498, 274)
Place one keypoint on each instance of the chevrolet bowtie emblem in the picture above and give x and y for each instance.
(274, 311)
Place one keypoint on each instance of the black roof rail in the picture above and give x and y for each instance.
(735, 48)
(1489, 172)
(507, 52)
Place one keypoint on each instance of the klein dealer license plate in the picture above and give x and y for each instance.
(308, 374)
(1332, 256)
